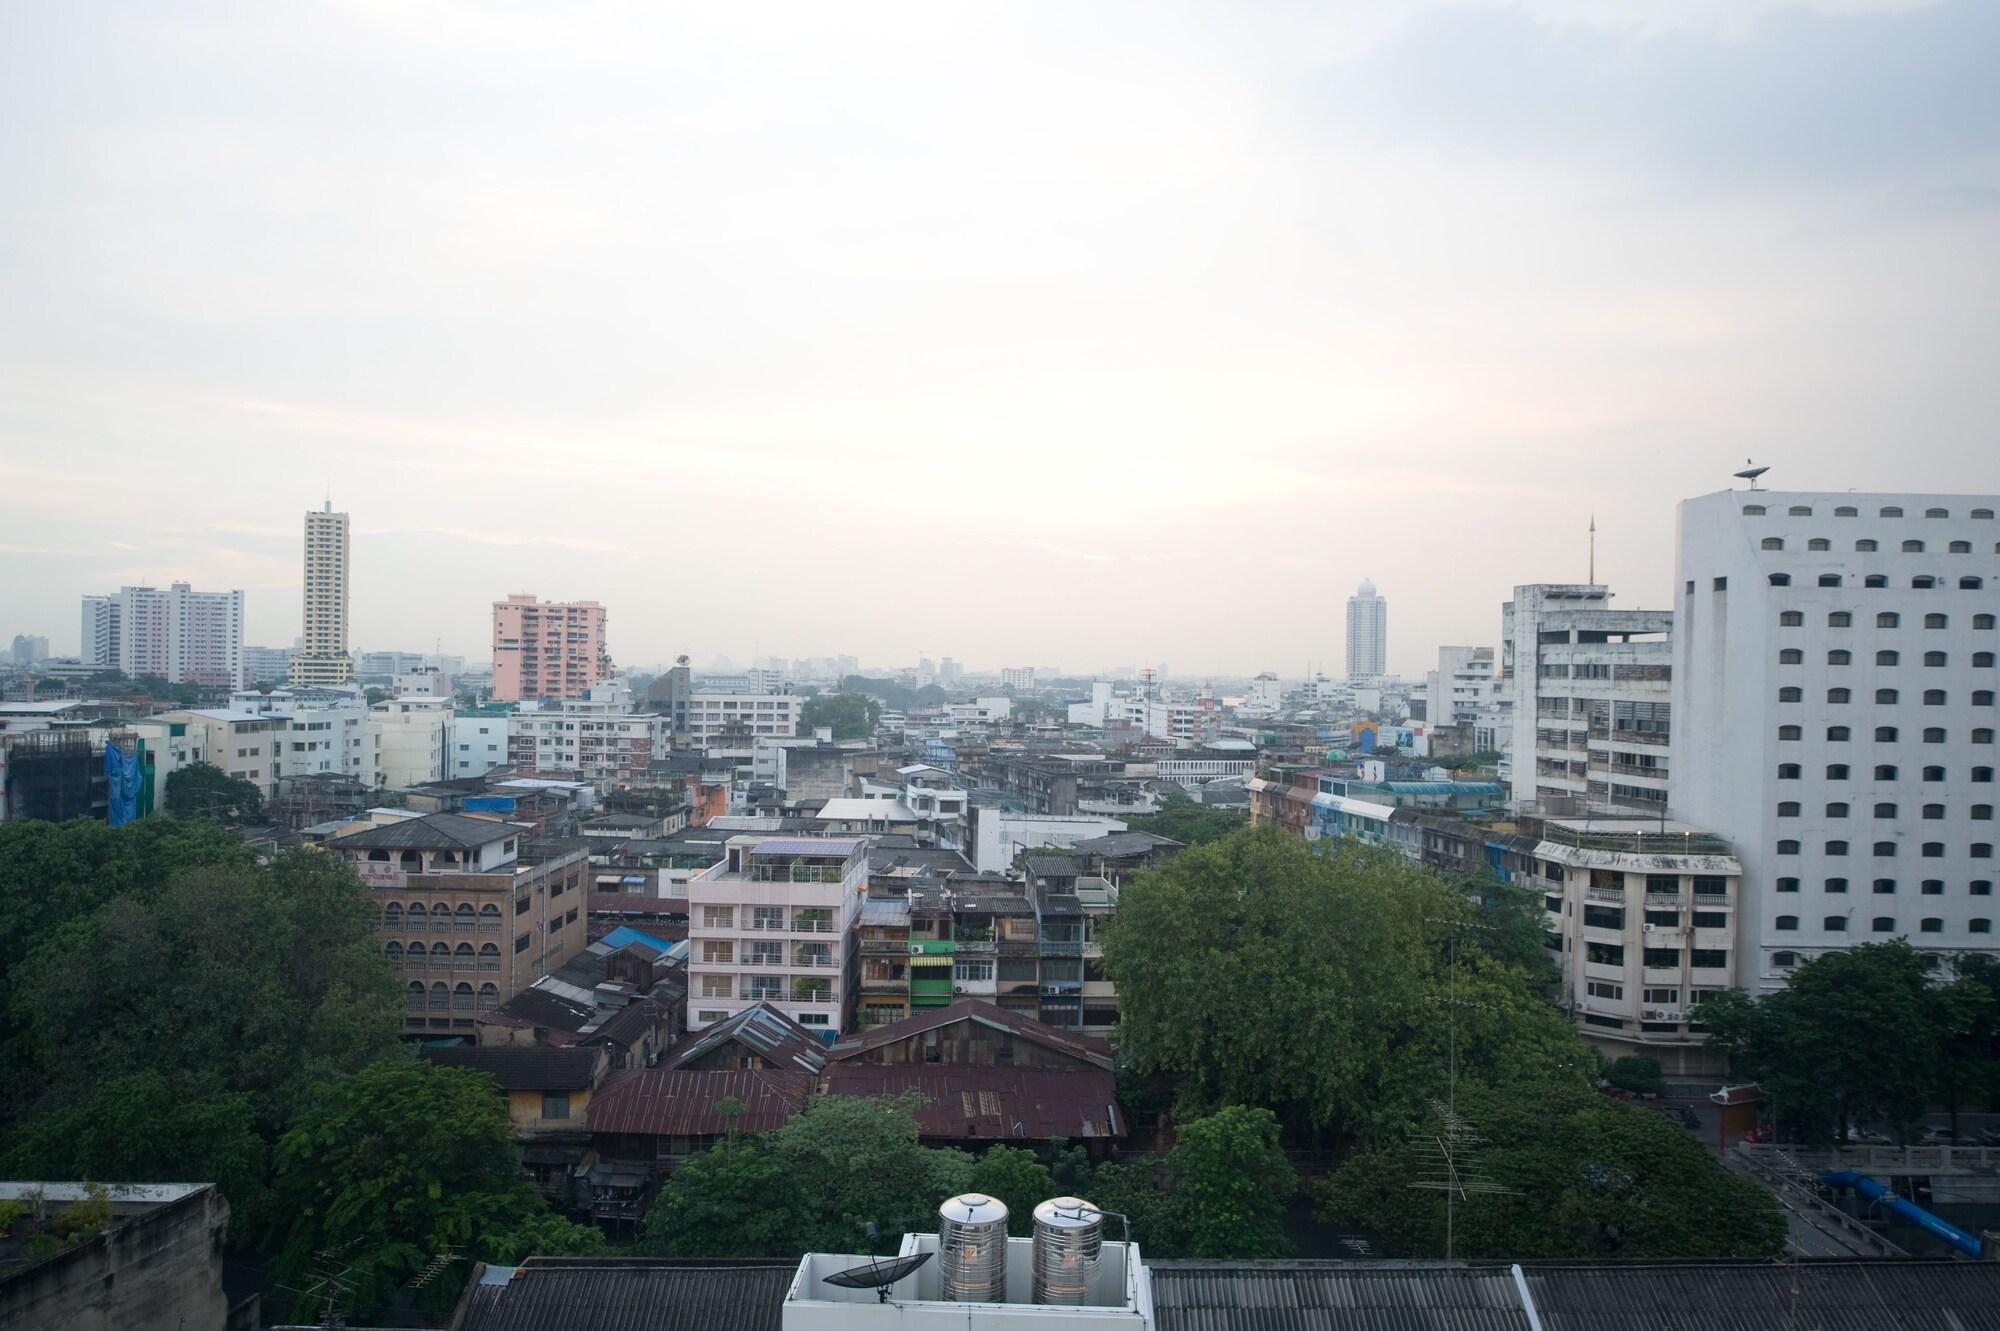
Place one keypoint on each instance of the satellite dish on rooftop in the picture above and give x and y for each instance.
(878, 1276)
(1751, 472)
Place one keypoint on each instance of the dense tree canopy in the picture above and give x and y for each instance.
(849, 715)
(1585, 1176)
(1016, 1177)
(201, 790)
(1339, 975)
(1864, 1034)
(1181, 819)
(400, 1163)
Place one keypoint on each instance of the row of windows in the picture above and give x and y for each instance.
(1931, 887)
(1888, 619)
(1885, 697)
(1870, 547)
(1923, 582)
(1850, 511)
(1885, 734)
(1886, 850)
(1882, 924)
(392, 914)
(1980, 812)
(1884, 772)
(1840, 656)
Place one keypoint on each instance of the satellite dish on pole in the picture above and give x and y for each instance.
(1751, 472)
(877, 1276)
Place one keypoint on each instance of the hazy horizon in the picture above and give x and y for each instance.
(1019, 334)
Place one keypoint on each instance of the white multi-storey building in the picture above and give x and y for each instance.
(100, 632)
(1646, 911)
(1367, 633)
(1591, 688)
(478, 743)
(1834, 686)
(176, 633)
(1461, 687)
(322, 656)
(1266, 694)
(1019, 678)
(413, 737)
(774, 922)
(718, 717)
(266, 665)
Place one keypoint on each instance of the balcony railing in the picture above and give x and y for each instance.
(1613, 895)
(811, 962)
(885, 947)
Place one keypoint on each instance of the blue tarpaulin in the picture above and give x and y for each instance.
(121, 776)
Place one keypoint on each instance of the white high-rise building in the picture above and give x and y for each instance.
(1367, 633)
(322, 657)
(1833, 692)
(175, 633)
(1461, 688)
(1593, 720)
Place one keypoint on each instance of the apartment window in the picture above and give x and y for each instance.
(1885, 887)
(1982, 621)
(1883, 924)
(1982, 660)
(1982, 697)
(718, 951)
(1866, 546)
(1981, 926)
(1931, 811)
(1788, 809)
(1788, 884)
(1980, 887)
(1661, 958)
(1839, 696)
(1885, 850)
(1784, 960)
(1835, 924)
(1933, 734)
(1836, 848)
(1888, 619)
(1836, 772)
(1933, 774)
(1781, 579)
(1788, 848)
(1604, 954)
(1923, 582)
(1982, 774)
(1982, 513)
(1791, 656)
(1982, 813)
(1913, 547)
(1773, 543)
(1604, 989)
(1933, 887)
(1887, 658)
(1834, 885)
(1722, 584)
(1885, 734)
(1933, 697)
(1829, 579)
(1981, 735)
(1790, 732)
(1790, 619)
(1933, 850)
(1791, 695)
(1937, 621)
(1875, 581)
(1788, 771)
(1982, 850)
(1837, 734)
(1819, 543)
(718, 917)
(1846, 511)
(1707, 886)
(1970, 584)
(1753, 510)
(555, 1104)
(1930, 924)
(1786, 923)
(1834, 811)
(1706, 958)
(1711, 919)
(521, 943)
(1839, 619)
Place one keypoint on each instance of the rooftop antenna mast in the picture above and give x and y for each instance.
(1449, 1155)
(1593, 550)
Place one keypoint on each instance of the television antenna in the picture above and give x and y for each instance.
(332, 1284)
(1751, 471)
(1449, 1155)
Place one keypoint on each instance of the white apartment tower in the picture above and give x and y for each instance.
(100, 632)
(1834, 689)
(774, 922)
(1591, 689)
(175, 633)
(1367, 633)
(322, 658)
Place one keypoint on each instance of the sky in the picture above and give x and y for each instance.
(1052, 334)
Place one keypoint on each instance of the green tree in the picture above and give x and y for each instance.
(1968, 1014)
(1181, 819)
(201, 790)
(1587, 1177)
(396, 1164)
(1641, 1076)
(1338, 965)
(850, 715)
(815, 1184)
(1016, 1177)
(1858, 1035)
(1229, 1186)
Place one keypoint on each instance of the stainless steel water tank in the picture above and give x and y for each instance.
(1069, 1239)
(972, 1249)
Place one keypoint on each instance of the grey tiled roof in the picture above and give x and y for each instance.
(614, 1294)
(433, 830)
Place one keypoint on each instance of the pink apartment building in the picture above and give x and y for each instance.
(547, 649)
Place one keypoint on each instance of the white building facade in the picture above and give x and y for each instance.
(1367, 633)
(322, 656)
(774, 922)
(1834, 696)
(717, 717)
(176, 633)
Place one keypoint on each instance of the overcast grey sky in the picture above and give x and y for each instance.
(1065, 334)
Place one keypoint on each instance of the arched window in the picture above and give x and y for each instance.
(1791, 693)
(1982, 735)
(1982, 697)
(1982, 813)
(1982, 621)
(1790, 619)
(1791, 656)
(1933, 734)
(1785, 960)
(1788, 809)
(1986, 513)
(1838, 619)
(1835, 924)
(415, 995)
(1935, 621)
(1847, 511)
(1837, 696)
(462, 956)
(1961, 547)
(440, 997)
(1786, 923)
(1933, 774)
(1982, 660)
(489, 918)
(1933, 850)
(1788, 884)
(1936, 513)
(1892, 511)
(462, 998)
(1982, 850)
(1836, 810)
(1924, 582)
(378, 857)
(1819, 543)
(1836, 848)
(410, 860)
(1913, 547)
(1836, 771)
(1885, 850)
(1865, 547)
(1883, 697)
(1886, 658)
(1829, 579)
(489, 956)
(489, 997)
(1875, 580)
(441, 956)
(1834, 885)
(1753, 510)
(1788, 771)
(1885, 811)
(393, 951)
(466, 918)
(1970, 584)
(1837, 734)
(1885, 773)
(1933, 887)
(418, 917)
(1930, 924)
(1885, 887)
(440, 917)
(1773, 543)
(1800, 511)
(1789, 732)
(1839, 656)
(1888, 619)
(1980, 887)
(1933, 697)
(1932, 660)
(1933, 812)
(1884, 924)
(392, 915)
(1885, 734)
(1982, 774)
(1781, 579)
(1788, 847)
(1980, 926)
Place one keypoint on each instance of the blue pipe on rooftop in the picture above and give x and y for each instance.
(1916, 1215)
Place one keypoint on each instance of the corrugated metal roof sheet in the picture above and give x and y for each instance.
(762, 1029)
(1892, 1295)
(641, 1294)
(1333, 1296)
(518, 1069)
(994, 1104)
(681, 1102)
(1088, 1048)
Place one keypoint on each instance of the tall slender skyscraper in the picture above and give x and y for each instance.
(322, 658)
(1367, 633)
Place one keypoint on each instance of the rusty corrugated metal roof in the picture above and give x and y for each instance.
(681, 1102)
(994, 1104)
(1087, 1048)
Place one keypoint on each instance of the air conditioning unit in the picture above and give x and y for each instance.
(1648, 928)
(958, 989)
(916, 949)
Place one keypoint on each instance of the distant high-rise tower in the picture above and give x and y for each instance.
(322, 658)
(1367, 633)
(547, 649)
